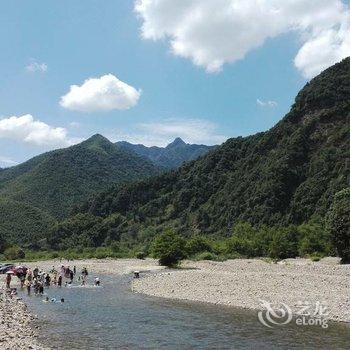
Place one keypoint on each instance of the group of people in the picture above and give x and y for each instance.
(37, 280)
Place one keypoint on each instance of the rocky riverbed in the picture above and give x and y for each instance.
(17, 331)
(243, 283)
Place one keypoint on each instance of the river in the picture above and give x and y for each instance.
(112, 317)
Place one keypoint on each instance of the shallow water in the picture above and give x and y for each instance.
(112, 317)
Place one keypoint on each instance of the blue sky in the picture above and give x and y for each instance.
(47, 46)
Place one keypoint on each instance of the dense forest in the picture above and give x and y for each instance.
(52, 183)
(278, 185)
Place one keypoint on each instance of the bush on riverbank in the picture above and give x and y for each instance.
(338, 224)
(169, 248)
(14, 253)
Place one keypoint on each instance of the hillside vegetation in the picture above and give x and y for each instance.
(287, 175)
(57, 180)
(24, 224)
(50, 185)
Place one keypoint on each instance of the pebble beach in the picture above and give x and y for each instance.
(17, 330)
(243, 283)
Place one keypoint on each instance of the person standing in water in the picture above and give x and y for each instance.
(59, 281)
(71, 276)
(47, 280)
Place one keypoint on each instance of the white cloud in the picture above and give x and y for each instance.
(35, 132)
(6, 162)
(271, 104)
(161, 133)
(74, 124)
(214, 32)
(35, 66)
(101, 94)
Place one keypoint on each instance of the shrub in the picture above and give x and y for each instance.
(14, 253)
(198, 244)
(102, 253)
(206, 256)
(169, 248)
(242, 246)
(140, 255)
(316, 257)
(313, 240)
(338, 224)
(284, 243)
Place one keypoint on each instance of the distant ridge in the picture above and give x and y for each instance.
(170, 157)
(56, 180)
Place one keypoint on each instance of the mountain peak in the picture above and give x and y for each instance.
(98, 142)
(177, 142)
(97, 138)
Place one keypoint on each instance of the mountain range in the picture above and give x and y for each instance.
(171, 156)
(286, 175)
(36, 193)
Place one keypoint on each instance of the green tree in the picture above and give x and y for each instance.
(285, 243)
(314, 239)
(169, 248)
(14, 253)
(198, 244)
(240, 245)
(338, 224)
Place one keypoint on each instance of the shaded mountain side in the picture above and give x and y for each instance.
(58, 180)
(288, 174)
(23, 224)
(171, 156)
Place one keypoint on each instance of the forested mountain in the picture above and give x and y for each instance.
(288, 174)
(171, 156)
(52, 183)
(22, 223)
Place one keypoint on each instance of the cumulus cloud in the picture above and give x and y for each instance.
(101, 94)
(212, 33)
(26, 128)
(162, 132)
(271, 104)
(35, 66)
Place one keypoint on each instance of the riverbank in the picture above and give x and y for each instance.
(243, 283)
(16, 325)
